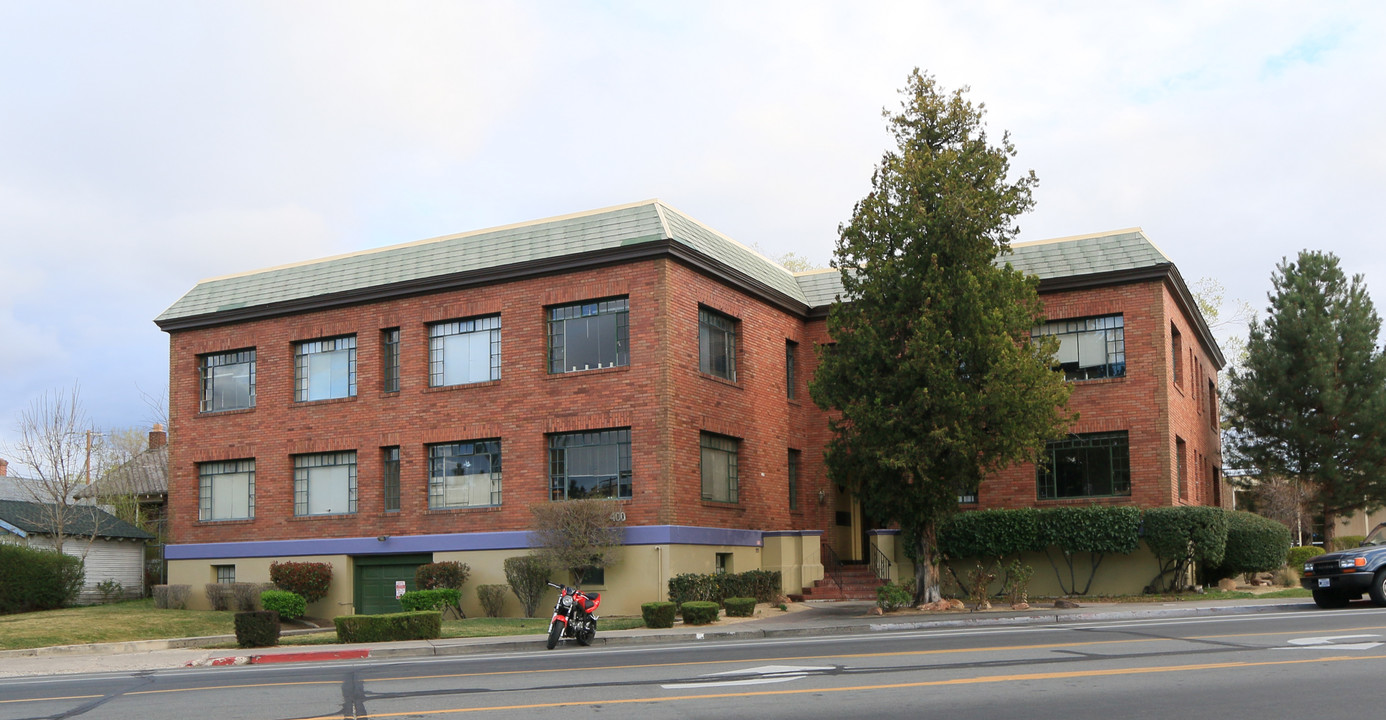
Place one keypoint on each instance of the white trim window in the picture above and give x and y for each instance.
(1089, 348)
(464, 474)
(464, 351)
(226, 490)
(325, 369)
(228, 380)
(325, 484)
(589, 335)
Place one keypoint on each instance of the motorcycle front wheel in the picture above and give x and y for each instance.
(555, 629)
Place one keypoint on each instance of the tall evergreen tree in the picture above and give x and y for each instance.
(932, 372)
(1308, 403)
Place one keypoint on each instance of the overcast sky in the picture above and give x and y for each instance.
(147, 145)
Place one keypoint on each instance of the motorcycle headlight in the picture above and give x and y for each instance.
(567, 600)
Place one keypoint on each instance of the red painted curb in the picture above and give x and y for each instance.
(310, 656)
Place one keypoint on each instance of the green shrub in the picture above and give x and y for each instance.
(1093, 531)
(692, 587)
(658, 614)
(990, 534)
(427, 625)
(1346, 542)
(1017, 588)
(699, 612)
(447, 574)
(1297, 556)
(437, 599)
(1254, 544)
(1179, 537)
(309, 579)
(257, 628)
(528, 576)
(110, 590)
(33, 579)
(290, 606)
(891, 596)
(492, 599)
(763, 585)
(740, 606)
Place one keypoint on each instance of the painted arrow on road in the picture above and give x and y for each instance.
(762, 675)
(1330, 642)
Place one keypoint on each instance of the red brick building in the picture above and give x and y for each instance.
(409, 404)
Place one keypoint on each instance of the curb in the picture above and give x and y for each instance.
(315, 656)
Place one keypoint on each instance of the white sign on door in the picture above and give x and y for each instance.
(399, 589)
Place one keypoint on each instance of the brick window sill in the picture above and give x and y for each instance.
(462, 386)
(325, 401)
(463, 510)
(333, 516)
(222, 413)
(720, 380)
(722, 505)
(223, 523)
(588, 372)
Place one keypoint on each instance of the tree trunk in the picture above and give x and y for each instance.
(926, 569)
(1330, 529)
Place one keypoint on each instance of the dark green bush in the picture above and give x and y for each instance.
(309, 579)
(658, 614)
(257, 628)
(763, 585)
(1092, 531)
(427, 625)
(447, 574)
(33, 579)
(740, 606)
(1254, 544)
(1182, 536)
(290, 606)
(492, 599)
(892, 597)
(1297, 556)
(693, 587)
(990, 534)
(437, 599)
(699, 612)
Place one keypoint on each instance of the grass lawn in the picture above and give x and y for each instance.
(138, 620)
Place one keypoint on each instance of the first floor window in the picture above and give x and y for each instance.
(226, 574)
(1091, 465)
(325, 369)
(716, 344)
(464, 474)
(589, 335)
(226, 490)
(719, 467)
(390, 471)
(590, 465)
(1089, 348)
(228, 380)
(464, 351)
(325, 483)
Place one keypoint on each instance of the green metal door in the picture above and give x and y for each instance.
(376, 579)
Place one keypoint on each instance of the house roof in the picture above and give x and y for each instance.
(145, 475)
(36, 518)
(617, 234)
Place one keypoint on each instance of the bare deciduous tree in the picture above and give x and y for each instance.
(576, 535)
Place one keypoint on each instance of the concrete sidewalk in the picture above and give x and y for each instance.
(805, 619)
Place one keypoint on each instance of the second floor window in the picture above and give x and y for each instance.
(465, 474)
(590, 465)
(389, 355)
(390, 473)
(716, 344)
(228, 380)
(325, 483)
(325, 369)
(1089, 348)
(589, 335)
(464, 351)
(719, 456)
(791, 360)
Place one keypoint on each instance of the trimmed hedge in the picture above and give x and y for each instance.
(699, 612)
(1254, 544)
(309, 579)
(1182, 536)
(257, 628)
(437, 599)
(1297, 556)
(740, 606)
(33, 579)
(290, 606)
(990, 534)
(763, 585)
(427, 625)
(446, 574)
(658, 614)
(1346, 542)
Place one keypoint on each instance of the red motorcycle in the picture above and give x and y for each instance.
(573, 616)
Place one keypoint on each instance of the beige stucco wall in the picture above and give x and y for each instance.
(198, 573)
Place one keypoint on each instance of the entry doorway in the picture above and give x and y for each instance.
(377, 578)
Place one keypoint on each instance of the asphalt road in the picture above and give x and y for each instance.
(1294, 664)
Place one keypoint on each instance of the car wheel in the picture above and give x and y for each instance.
(1378, 590)
(1330, 600)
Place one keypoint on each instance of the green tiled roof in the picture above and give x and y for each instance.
(1060, 258)
(570, 235)
(80, 520)
(610, 229)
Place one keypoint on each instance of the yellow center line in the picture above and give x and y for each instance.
(1077, 674)
(54, 699)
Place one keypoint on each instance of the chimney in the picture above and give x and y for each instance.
(4, 467)
(157, 437)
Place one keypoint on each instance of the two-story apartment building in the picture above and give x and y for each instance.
(404, 405)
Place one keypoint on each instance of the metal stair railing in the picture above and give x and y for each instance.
(832, 565)
(880, 564)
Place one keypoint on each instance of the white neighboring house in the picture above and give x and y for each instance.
(114, 549)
